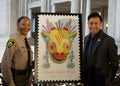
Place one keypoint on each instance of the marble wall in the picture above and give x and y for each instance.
(4, 21)
(114, 21)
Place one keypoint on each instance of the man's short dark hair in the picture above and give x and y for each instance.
(94, 14)
(21, 18)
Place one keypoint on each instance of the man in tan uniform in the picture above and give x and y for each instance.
(17, 59)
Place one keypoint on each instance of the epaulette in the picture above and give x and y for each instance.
(10, 43)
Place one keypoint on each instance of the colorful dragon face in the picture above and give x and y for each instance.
(59, 40)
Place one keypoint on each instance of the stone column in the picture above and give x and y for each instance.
(111, 17)
(26, 7)
(81, 6)
(14, 14)
(29, 13)
(5, 8)
(43, 6)
(30, 16)
(75, 6)
(88, 10)
(48, 5)
(53, 8)
(117, 21)
(21, 7)
(113, 21)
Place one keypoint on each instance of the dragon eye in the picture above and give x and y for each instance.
(51, 45)
(67, 46)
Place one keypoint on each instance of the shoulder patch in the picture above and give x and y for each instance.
(10, 43)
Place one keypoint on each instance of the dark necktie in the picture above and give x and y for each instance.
(28, 48)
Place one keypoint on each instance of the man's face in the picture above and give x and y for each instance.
(24, 26)
(94, 25)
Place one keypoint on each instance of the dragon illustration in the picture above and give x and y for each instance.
(59, 37)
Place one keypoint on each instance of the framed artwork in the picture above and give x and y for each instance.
(58, 47)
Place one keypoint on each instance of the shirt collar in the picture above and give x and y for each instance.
(22, 36)
(96, 35)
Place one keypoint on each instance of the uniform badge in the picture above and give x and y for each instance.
(10, 43)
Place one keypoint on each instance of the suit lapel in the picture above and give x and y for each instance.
(96, 45)
(87, 40)
(99, 41)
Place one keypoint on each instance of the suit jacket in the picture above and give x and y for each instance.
(104, 56)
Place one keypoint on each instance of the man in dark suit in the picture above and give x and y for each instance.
(100, 60)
